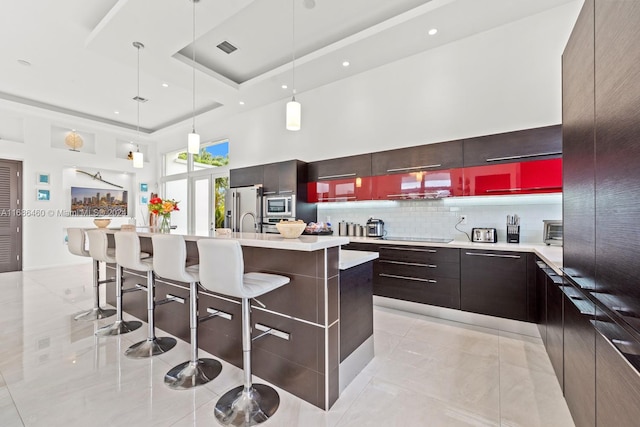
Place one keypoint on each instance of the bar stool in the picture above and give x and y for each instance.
(100, 251)
(169, 261)
(76, 244)
(222, 271)
(128, 255)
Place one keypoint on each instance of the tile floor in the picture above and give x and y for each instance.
(427, 372)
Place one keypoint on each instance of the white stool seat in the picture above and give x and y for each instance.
(256, 284)
(222, 271)
(128, 255)
(169, 262)
(77, 246)
(99, 247)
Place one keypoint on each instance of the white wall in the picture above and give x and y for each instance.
(43, 238)
(505, 79)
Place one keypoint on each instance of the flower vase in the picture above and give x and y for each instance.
(165, 224)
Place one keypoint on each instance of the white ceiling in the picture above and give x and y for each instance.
(83, 62)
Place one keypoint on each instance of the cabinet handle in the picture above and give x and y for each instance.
(417, 264)
(556, 187)
(264, 193)
(271, 331)
(413, 194)
(342, 175)
(285, 191)
(431, 251)
(414, 168)
(324, 199)
(524, 156)
(492, 255)
(415, 279)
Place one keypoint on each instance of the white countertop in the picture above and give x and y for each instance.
(551, 255)
(349, 259)
(271, 241)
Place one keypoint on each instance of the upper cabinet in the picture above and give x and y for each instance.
(523, 145)
(430, 157)
(340, 168)
(282, 177)
(244, 177)
(342, 179)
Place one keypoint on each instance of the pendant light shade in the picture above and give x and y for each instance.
(294, 109)
(294, 114)
(193, 143)
(193, 139)
(138, 157)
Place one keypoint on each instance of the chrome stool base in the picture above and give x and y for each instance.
(149, 348)
(118, 327)
(189, 374)
(239, 408)
(95, 314)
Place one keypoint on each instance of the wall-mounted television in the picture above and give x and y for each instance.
(98, 202)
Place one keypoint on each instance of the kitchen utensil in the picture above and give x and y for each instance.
(342, 228)
(484, 235)
(375, 227)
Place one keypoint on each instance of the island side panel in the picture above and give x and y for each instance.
(356, 307)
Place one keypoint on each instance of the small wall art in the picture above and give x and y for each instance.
(43, 179)
(43, 195)
(144, 187)
(144, 200)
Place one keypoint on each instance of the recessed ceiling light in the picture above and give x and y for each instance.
(24, 62)
(116, 112)
(345, 64)
(433, 31)
(241, 102)
(284, 86)
(165, 84)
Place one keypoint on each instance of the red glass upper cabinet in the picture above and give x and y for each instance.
(418, 185)
(532, 177)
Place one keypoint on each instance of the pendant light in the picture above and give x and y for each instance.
(138, 157)
(193, 139)
(294, 109)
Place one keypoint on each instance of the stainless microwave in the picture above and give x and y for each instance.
(279, 206)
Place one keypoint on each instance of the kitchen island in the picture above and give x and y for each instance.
(303, 355)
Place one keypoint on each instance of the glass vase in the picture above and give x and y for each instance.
(165, 224)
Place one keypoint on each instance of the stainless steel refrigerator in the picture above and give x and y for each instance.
(243, 209)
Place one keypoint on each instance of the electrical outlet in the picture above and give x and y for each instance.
(463, 219)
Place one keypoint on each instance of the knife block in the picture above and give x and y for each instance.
(513, 233)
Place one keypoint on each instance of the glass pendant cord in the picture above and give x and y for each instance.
(293, 48)
(138, 46)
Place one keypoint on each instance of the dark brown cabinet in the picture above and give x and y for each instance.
(428, 275)
(578, 134)
(579, 357)
(616, 378)
(443, 155)
(495, 283)
(555, 334)
(529, 144)
(340, 168)
(282, 177)
(244, 177)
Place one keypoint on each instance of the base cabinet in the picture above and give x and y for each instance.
(495, 283)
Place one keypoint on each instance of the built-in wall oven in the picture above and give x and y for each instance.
(279, 206)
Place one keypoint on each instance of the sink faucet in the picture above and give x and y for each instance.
(255, 225)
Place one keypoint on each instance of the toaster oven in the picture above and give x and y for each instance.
(552, 232)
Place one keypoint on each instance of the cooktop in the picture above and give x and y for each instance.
(418, 239)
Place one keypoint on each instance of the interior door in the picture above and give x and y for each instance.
(10, 218)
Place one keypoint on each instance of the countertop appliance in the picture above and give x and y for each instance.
(552, 232)
(375, 227)
(243, 209)
(484, 235)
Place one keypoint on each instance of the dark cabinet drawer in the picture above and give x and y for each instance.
(419, 254)
(529, 144)
(494, 283)
(418, 270)
(403, 284)
(555, 335)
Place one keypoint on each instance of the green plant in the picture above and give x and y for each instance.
(206, 158)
